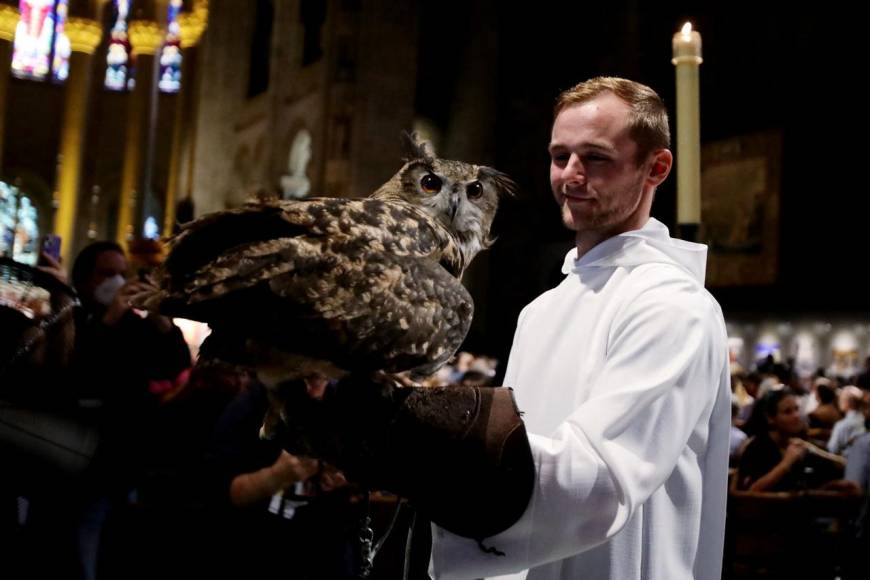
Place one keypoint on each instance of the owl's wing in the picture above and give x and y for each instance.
(234, 248)
(386, 311)
(345, 278)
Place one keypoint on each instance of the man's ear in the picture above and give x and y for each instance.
(660, 167)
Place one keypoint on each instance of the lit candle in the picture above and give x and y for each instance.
(687, 59)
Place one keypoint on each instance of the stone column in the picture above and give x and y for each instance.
(192, 25)
(84, 36)
(146, 38)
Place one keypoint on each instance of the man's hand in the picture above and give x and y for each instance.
(288, 469)
(249, 488)
(331, 479)
(52, 267)
(121, 302)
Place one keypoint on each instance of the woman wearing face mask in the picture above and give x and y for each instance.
(119, 358)
(99, 275)
(112, 340)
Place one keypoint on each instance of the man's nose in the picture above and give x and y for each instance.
(574, 170)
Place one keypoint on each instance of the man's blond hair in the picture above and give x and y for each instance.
(648, 120)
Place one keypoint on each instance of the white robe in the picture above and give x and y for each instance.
(622, 373)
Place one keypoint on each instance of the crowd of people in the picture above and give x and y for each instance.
(793, 433)
(180, 482)
(803, 441)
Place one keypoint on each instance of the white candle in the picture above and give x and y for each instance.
(687, 59)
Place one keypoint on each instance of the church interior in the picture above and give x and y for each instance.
(121, 120)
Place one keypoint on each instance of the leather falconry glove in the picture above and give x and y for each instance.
(459, 454)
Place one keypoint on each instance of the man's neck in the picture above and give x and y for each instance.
(588, 239)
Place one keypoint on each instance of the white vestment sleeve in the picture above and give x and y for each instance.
(645, 418)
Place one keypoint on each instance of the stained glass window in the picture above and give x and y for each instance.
(18, 225)
(60, 66)
(41, 46)
(170, 54)
(119, 69)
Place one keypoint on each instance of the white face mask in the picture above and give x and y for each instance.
(105, 292)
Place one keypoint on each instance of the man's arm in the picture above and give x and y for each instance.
(459, 454)
(255, 486)
(858, 466)
(835, 442)
(643, 421)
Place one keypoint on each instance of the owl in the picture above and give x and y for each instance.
(329, 286)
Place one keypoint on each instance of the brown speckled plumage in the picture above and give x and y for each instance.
(333, 285)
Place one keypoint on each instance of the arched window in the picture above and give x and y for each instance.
(170, 54)
(41, 48)
(119, 62)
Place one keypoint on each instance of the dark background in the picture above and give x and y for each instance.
(767, 66)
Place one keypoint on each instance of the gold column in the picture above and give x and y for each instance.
(192, 26)
(9, 17)
(146, 38)
(200, 7)
(84, 36)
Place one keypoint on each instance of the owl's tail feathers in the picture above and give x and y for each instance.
(162, 300)
(220, 346)
(151, 300)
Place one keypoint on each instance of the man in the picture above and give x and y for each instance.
(621, 370)
(851, 426)
(863, 380)
(622, 374)
(737, 438)
(752, 385)
(858, 465)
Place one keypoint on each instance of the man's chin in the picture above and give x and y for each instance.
(575, 222)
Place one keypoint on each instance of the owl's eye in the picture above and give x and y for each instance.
(474, 190)
(431, 183)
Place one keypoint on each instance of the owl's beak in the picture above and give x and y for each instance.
(454, 206)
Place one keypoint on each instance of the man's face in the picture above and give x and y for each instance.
(751, 388)
(594, 175)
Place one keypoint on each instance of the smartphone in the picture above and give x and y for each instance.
(51, 246)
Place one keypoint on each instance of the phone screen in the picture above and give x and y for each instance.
(51, 245)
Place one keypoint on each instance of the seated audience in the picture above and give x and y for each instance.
(777, 458)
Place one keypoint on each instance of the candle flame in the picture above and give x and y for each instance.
(687, 29)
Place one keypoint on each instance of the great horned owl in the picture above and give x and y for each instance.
(329, 285)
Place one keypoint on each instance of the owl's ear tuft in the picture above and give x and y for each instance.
(417, 148)
(503, 184)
